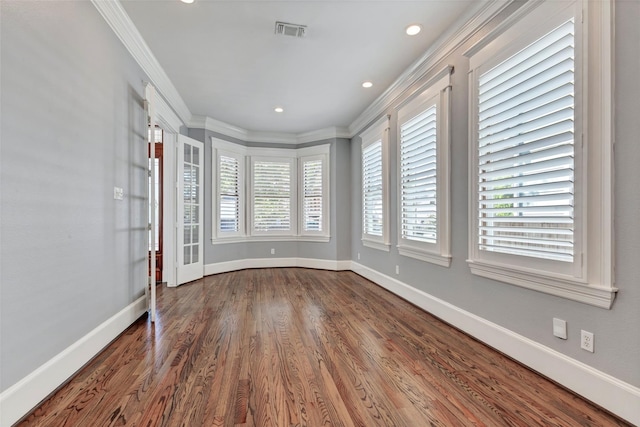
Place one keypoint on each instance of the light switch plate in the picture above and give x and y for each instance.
(560, 328)
(118, 193)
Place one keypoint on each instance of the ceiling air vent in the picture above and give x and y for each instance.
(287, 29)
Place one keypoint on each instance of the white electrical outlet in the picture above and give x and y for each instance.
(586, 341)
(397, 269)
(560, 328)
(273, 251)
(358, 256)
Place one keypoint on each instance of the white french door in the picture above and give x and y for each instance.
(190, 230)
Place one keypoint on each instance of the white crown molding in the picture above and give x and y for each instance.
(122, 25)
(321, 134)
(468, 25)
(502, 27)
(22, 397)
(213, 125)
(117, 18)
(613, 394)
(166, 116)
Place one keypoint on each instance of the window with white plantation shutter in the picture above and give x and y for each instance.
(262, 194)
(273, 197)
(541, 128)
(312, 195)
(423, 173)
(418, 177)
(229, 194)
(526, 151)
(313, 192)
(375, 185)
(372, 191)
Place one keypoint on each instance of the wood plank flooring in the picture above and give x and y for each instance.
(297, 347)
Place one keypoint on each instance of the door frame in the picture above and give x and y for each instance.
(169, 194)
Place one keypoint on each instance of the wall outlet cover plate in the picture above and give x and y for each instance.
(560, 328)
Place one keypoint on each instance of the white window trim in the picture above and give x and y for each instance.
(376, 132)
(232, 150)
(438, 91)
(594, 282)
(245, 235)
(293, 199)
(320, 152)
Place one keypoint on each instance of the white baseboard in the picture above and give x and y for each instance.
(324, 264)
(615, 395)
(22, 397)
(241, 264)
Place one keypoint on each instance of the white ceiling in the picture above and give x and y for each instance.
(226, 62)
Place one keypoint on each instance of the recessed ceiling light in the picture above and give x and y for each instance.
(413, 29)
(187, 1)
(367, 84)
(278, 109)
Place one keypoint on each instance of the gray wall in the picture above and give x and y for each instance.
(338, 248)
(526, 312)
(72, 128)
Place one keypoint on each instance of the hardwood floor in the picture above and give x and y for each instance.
(298, 347)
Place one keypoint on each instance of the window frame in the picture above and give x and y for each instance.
(246, 232)
(223, 148)
(293, 204)
(377, 132)
(320, 152)
(436, 92)
(590, 277)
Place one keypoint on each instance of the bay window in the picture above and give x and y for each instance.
(270, 193)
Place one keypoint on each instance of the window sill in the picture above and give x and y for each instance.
(561, 286)
(254, 239)
(376, 245)
(422, 255)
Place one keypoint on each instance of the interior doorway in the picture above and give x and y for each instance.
(157, 146)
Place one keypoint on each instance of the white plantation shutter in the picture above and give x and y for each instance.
(312, 195)
(229, 194)
(264, 193)
(372, 191)
(418, 175)
(272, 195)
(541, 124)
(526, 151)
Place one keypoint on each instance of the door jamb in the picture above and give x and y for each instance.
(169, 195)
